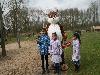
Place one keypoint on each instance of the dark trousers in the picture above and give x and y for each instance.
(43, 58)
(77, 65)
(57, 68)
(63, 59)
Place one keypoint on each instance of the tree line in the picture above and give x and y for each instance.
(21, 19)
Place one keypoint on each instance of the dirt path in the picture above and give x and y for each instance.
(23, 61)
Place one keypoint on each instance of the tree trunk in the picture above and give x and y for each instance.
(3, 42)
(16, 23)
(18, 38)
(2, 33)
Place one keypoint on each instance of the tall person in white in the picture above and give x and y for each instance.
(53, 19)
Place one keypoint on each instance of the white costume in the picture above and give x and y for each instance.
(54, 28)
(76, 50)
(55, 50)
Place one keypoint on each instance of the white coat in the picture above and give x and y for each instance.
(76, 50)
(55, 50)
(54, 27)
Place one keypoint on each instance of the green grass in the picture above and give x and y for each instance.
(22, 38)
(90, 55)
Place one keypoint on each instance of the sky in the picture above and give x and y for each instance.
(59, 4)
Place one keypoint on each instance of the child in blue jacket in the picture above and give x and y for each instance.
(44, 43)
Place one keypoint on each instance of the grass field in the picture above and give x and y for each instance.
(90, 55)
(11, 39)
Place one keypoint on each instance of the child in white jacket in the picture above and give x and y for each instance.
(55, 52)
(76, 51)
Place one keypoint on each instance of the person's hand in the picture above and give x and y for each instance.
(63, 46)
(68, 44)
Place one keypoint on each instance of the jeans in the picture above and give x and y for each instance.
(43, 58)
(57, 68)
(77, 65)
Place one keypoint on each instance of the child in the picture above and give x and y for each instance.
(44, 43)
(76, 51)
(55, 51)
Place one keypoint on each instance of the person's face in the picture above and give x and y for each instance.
(54, 36)
(74, 38)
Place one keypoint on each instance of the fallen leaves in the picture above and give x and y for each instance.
(24, 61)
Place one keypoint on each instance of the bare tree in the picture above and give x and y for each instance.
(2, 30)
(17, 18)
(94, 12)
